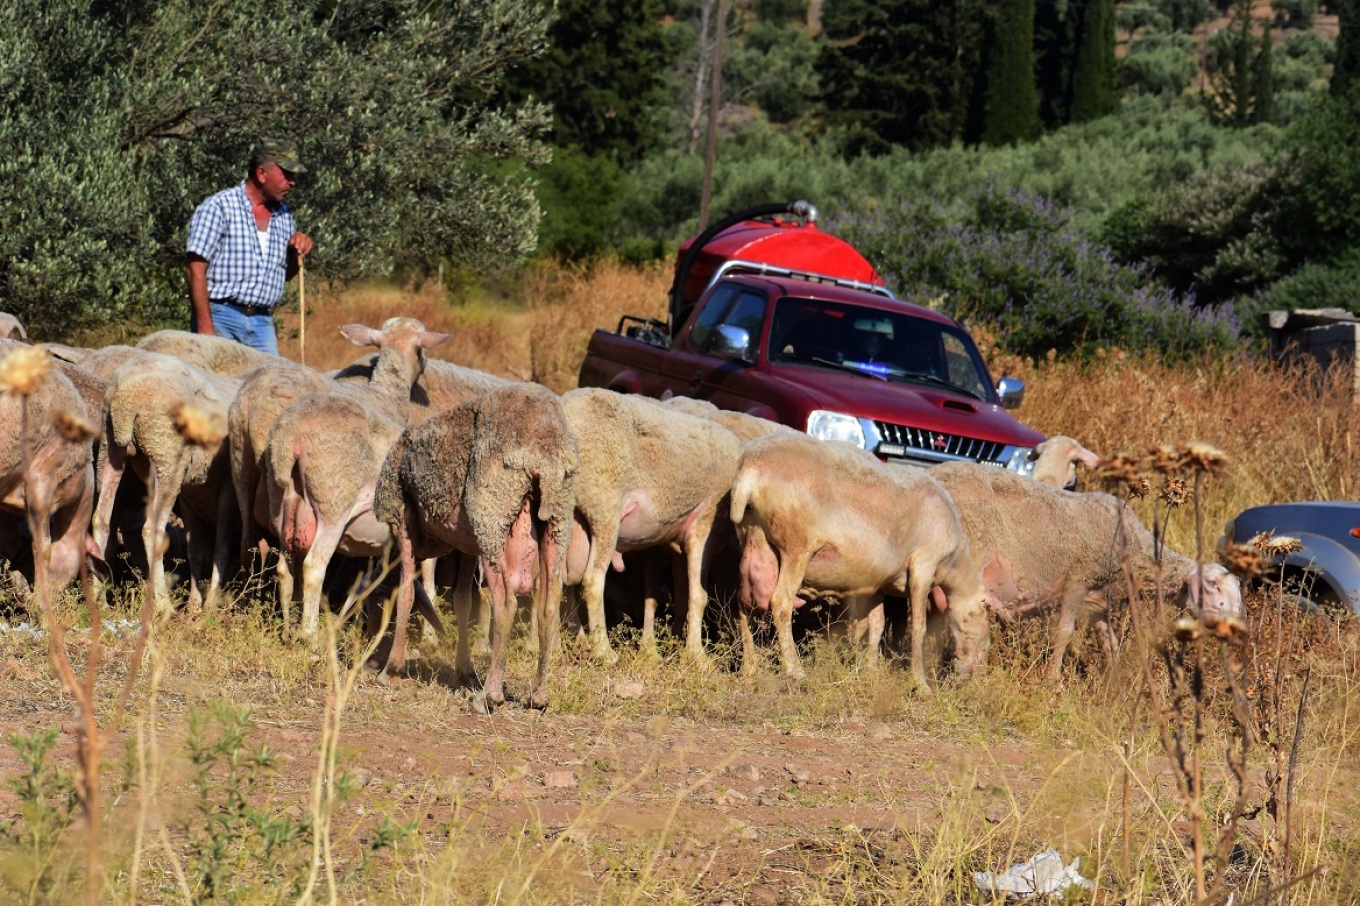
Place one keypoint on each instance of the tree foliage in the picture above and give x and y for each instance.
(1095, 92)
(604, 75)
(1012, 96)
(118, 119)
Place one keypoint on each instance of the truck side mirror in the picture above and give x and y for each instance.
(1011, 391)
(731, 343)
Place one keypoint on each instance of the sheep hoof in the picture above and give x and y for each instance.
(539, 700)
(467, 679)
(390, 679)
(480, 704)
(606, 656)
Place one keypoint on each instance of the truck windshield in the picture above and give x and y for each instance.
(884, 344)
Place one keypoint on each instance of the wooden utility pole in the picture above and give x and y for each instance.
(714, 107)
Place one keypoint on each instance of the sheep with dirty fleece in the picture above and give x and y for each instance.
(824, 519)
(45, 461)
(145, 407)
(1056, 461)
(649, 476)
(323, 457)
(1037, 546)
(491, 478)
(208, 353)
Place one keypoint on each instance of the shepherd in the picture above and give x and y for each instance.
(243, 248)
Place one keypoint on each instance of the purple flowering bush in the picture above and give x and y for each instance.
(1009, 258)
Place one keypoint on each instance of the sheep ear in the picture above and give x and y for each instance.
(430, 339)
(360, 335)
(1085, 457)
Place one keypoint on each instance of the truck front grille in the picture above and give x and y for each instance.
(917, 443)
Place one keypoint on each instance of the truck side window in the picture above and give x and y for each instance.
(748, 313)
(712, 313)
(962, 371)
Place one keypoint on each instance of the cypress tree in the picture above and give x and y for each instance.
(1012, 113)
(1055, 45)
(1263, 80)
(1095, 92)
(1346, 69)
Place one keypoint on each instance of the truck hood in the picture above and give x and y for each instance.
(905, 403)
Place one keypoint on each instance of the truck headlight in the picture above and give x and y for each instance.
(1021, 461)
(825, 425)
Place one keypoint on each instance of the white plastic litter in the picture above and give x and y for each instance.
(1043, 874)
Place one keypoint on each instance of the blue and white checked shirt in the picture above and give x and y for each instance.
(223, 232)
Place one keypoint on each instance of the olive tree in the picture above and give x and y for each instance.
(116, 119)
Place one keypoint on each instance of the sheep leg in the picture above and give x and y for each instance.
(1062, 633)
(866, 616)
(110, 476)
(314, 573)
(651, 586)
(750, 658)
(782, 602)
(503, 617)
(222, 543)
(429, 583)
(284, 567)
(696, 544)
(920, 582)
(463, 591)
(547, 609)
(195, 529)
(396, 658)
(592, 587)
(153, 539)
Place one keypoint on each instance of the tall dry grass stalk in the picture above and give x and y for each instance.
(567, 304)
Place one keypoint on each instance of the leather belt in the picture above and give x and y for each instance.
(249, 310)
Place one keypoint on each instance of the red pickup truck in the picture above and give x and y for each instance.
(773, 317)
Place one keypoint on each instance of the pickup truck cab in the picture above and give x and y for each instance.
(832, 354)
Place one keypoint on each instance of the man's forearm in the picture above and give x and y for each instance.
(197, 270)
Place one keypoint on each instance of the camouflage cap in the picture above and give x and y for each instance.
(279, 150)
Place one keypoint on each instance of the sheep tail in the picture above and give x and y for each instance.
(741, 495)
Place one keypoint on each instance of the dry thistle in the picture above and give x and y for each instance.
(1271, 547)
(1227, 628)
(1140, 488)
(1186, 629)
(74, 428)
(1118, 469)
(1174, 491)
(1243, 560)
(196, 426)
(24, 370)
(1163, 458)
(1201, 457)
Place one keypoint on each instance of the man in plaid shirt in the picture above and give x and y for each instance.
(242, 249)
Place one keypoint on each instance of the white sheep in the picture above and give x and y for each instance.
(1056, 461)
(46, 474)
(218, 355)
(823, 519)
(142, 428)
(323, 458)
(490, 478)
(649, 477)
(1036, 546)
(11, 328)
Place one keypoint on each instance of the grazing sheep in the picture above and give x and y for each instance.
(649, 476)
(1056, 461)
(1038, 546)
(323, 458)
(265, 393)
(103, 362)
(746, 427)
(143, 428)
(11, 329)
(824, 519)
(490, 478)
(45, 461)
(209, 353)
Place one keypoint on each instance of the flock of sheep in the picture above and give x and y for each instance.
(539, 494)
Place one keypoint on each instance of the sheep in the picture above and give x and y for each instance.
(1041, 545)
(648, 477)
(323, 457)
(491, 478)
(442, 385)
(142, 427)
(826, 519)
(102, 362)
(45, 461)
(11, 329)
(209, 353)
(747, 427)
(1056, 461)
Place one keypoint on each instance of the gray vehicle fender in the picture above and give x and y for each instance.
(1336, 565)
